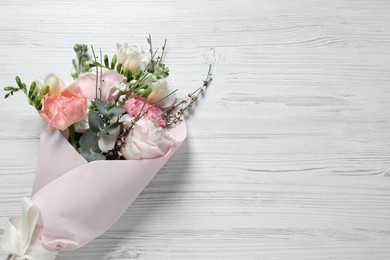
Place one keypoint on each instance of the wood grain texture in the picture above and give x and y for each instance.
(288, 155)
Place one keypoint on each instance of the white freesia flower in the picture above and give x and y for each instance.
(131, 58)
(145, 140)
(119, 87)
(82, 126)
(55, 84)
(160, 89)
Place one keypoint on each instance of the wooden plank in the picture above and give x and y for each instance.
(288, 155)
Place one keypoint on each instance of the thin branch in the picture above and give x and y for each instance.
(163, 51)
(173, 118)
(149, 39)
(146, 68)
(101, 74)
(97, 72)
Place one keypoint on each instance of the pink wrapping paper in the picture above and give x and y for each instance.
(79, 201)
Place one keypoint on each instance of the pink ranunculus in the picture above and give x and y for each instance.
(134, 105)
(86, 84)
(64, 110)
(145, 140)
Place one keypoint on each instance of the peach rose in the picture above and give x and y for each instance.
(64, 110)
(86, 84)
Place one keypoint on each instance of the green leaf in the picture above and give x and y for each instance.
(8, 88)
(74, 64)
(86, 68)
(110, 127)
(88, 140)
(116, 111)
(106, 60)
(37, 104)
(138, 74)
(147, 92)
(113, 62)
(7, 95)
(101, 106)
(44, 90)
(128, 75)
(119, 68)
(19, 82)
(92, 156)
(32, 89)
(35, 92)
(96, 123)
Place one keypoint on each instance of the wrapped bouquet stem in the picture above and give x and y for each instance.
(108, 133)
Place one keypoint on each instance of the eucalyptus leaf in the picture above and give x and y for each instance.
(96, 123)
(92, 156)
(101, 106)
(110, 127)
(88, 140)
(116, 111)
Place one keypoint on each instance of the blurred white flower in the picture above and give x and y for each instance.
(54, 83)
(131, 58)
(160, 89)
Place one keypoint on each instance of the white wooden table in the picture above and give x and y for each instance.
(288, 155)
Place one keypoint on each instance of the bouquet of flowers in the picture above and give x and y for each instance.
(108, 133)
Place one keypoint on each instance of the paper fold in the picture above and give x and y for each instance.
(79, 201)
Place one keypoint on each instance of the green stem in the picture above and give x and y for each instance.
(72, 136)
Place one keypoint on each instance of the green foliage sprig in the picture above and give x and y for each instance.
(103, 117)
(33, 93)
(82, 59)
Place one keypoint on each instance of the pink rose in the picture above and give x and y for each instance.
(145, 140)
(64, 110)
(134, 105)
(86, 84)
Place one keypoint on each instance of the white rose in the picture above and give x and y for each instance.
(145, 140)
(131, 58)
(160, 89)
